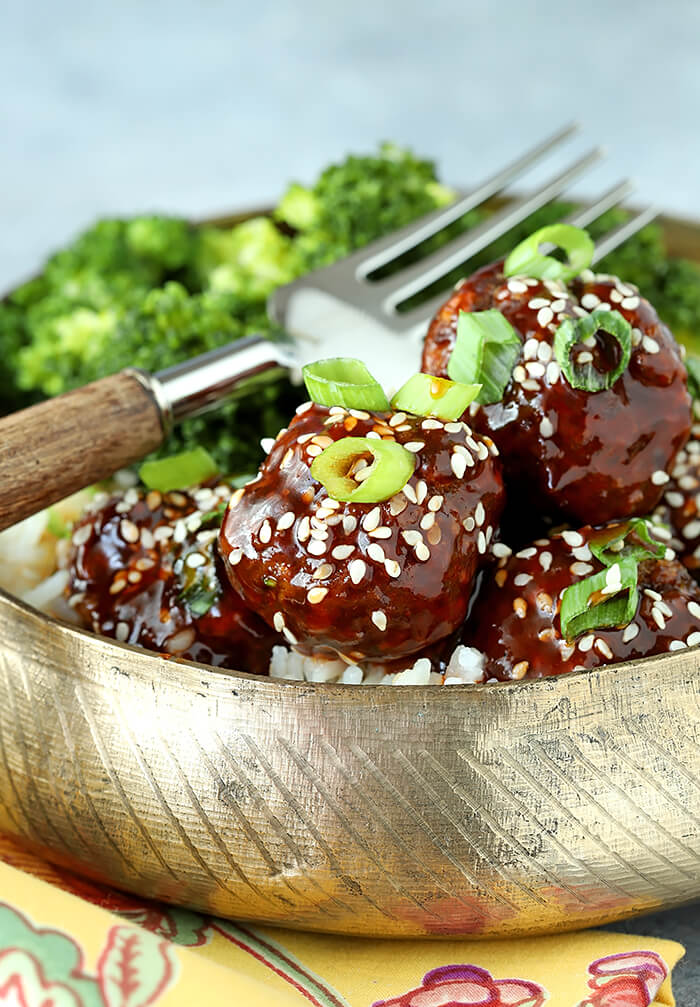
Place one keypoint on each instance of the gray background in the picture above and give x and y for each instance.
(197, 108)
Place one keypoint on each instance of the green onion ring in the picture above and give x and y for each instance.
(611, 545)
(425, 395)
(344, 381)
(527, 260)
(600, 600)
(390, 469)
(485, 352)
(178, 472)
(575, 330)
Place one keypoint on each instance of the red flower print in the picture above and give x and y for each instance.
(628, 979)
(468, 986)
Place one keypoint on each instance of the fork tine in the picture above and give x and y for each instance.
(384, 250)
(587, 214)
(422, 314)
(614, 238)
(395, 289)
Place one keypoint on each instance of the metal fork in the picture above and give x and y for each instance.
(337, 311)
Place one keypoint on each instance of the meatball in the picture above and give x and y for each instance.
(589, 456)
(679, 510)
(144, 568)
(516, 623)
(368, 581)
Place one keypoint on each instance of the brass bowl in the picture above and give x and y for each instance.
(523, 808)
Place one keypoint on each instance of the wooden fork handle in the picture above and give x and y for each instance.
(54, 449)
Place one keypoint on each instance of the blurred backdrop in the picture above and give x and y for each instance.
(200, 107)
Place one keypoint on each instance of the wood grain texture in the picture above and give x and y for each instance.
(53, 449)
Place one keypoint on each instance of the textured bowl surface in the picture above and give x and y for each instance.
(484, 810)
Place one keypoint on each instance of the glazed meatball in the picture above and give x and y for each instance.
(516, 624)
(144, 569)
(589, 456)
(679, 510)
(368, 581)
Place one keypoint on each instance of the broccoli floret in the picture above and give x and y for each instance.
(248, 260)
(12, 337)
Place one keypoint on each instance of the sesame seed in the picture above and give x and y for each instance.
(144, 563)
(289, 636)
(559, 304)
(434, 535)
(530, 349)
(278, 621)
(520, 607)
(435, 502)
(580, 569)
(677, 645)
(602, 647)
(658, 618)
(286, 521)
(553, 372)
(458, 464)
(535, 369)
(674, 499)
(195, 559)
(375, 552)
(410, 494)
(414, 446)
(397, 505)
(544, 352)
(82, 535)
(544, 316)
(235, 557)
(544, 602)
(546, 428)
(323, 572)
(381, 532)
(526, 553)
(397, 419)
(530, 385)
(121, 632)
(411, 538)
(129, 531)
(371, 520)
(519, 373)
(572, 538)
(392, 567)
(342, 551)
(694, 609)
(654, 595)
(517, 287)
(501, 550)
(482, 451)
(590, 300)
(481, 542)
(479, 514)
(630, 303)
(469, 523)
(179, 642)
(265, 533)
(545, 560)
(520, 669)
(538, 302)
(688, 483)
(316, 595)
(659, 477)
(454, 428)
(304, 529)
(427, 521)
(615, 296)
(422, 552)
(650, 345)
(521, 579)
(431, 424)
(349, 524)
(664, 609)
(692, 529)
(501, 577)
(357, 569)
(693, 640)
(379, 619)
(267, 444)
(630, 632)
(586, 642)
(316, 547)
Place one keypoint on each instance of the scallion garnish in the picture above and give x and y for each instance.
(607, 598)
(630, 540)
(575, 330)
(344, 381)
(692, 366)
(485, 352)
(527, 260)
(363, 469)
(178, 472)
(425, 395)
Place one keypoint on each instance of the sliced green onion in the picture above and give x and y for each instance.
(344, 381)
(575, 330)
(485, 353)
(178, 472)
(603, 599)
(692, 366)
(527, 260)
(612, 544)
(425, 395)
(363, 469)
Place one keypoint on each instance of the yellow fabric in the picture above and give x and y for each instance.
(125, 965)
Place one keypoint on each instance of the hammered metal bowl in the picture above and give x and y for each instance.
(523, 808)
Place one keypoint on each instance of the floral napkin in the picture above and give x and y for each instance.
(68, 942)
